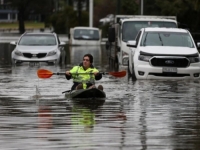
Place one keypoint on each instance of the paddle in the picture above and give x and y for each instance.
(43, 73)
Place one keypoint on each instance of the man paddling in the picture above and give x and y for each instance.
(84, 75)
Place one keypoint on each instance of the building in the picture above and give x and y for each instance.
(7, 14)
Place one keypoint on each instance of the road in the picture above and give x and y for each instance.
(141, 114)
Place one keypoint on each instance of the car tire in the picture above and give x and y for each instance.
(55, 62)
(133, 74)
(13, 62)
(129, 72)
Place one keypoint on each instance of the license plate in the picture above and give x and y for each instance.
(168, 69)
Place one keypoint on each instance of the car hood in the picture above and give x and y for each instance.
(36, 49)
(167, 50)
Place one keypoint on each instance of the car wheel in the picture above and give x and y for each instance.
(56, 62)
(13, 61)
(129, 72)
(133, 73)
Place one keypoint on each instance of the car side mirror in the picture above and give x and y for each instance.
(13, 43)
(198, 44)
(62, 44)
(131, 43)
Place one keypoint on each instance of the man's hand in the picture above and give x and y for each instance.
(67, 73)
(96, 73)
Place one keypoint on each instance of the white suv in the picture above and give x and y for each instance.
(164, 53)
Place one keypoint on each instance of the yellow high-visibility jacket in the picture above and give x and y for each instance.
(86, 77)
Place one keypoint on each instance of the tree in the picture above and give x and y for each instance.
(25, 7)
(187, 11)
(129, 7)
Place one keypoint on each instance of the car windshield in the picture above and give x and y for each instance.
(166, 39)
(86, 34)
(37, 40)
(131, 28)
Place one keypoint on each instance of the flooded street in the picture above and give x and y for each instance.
(139, 115)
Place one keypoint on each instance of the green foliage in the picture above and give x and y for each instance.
(63, 20)
(187, 11)
(129, 7)
(59, 22)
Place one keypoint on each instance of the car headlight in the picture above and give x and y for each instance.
(17, 52)
(51, 53)
(144, 58)
(194, 59)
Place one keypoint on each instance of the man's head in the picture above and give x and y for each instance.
(87, 60)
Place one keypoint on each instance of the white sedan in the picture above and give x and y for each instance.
(37, 47)
(163, 53)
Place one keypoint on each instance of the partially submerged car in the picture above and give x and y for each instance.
(37, 47)
(163, 53)
(85, 36)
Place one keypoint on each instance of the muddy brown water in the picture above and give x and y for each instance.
(139, 115)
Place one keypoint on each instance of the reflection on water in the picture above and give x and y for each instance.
(141, 114)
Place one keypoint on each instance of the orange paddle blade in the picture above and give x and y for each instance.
(118, 74)
(42, 73)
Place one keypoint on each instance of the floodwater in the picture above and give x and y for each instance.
(137, 115)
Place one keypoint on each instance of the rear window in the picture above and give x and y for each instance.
(86, 34)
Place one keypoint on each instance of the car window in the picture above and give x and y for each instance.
(86, 34)
(167, 39)
(38, 40)
(131, 28)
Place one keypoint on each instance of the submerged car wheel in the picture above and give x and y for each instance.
(133, 73)
(129, 72)
(13, 61)
(56, 62)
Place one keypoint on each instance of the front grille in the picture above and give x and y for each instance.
(39, 55)
(28, 55)
(169, 74)
(180, 62)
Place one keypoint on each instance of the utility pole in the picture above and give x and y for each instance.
(79, 12)
(91, 13)
(142, 3)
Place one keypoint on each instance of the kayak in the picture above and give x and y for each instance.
(92, 95)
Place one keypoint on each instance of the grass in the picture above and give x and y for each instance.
(15, 25)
